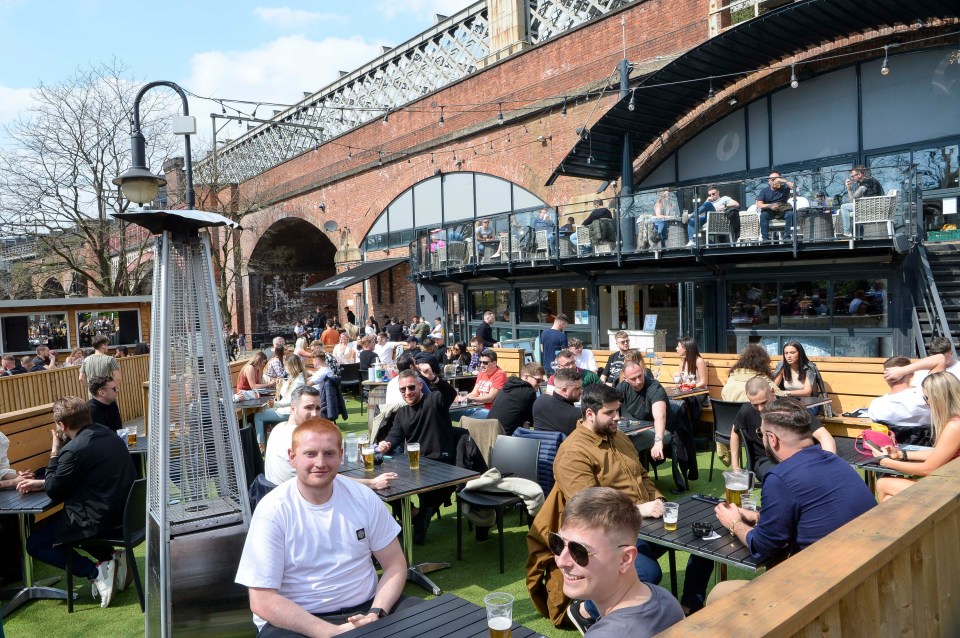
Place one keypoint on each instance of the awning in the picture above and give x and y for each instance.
(354, 275)
(665, 96)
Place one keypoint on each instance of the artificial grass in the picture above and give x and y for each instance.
(472, 578)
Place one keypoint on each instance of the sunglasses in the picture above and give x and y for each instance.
(407, 388)
(580, 554)
(483, 363)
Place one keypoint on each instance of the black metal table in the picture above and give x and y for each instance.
(813, 402)
(251, 404)
(432, 475)
(847, 450)
(445, 617)
(24, 506)
(633, 427)
(726, 550)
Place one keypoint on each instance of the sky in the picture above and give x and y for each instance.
(255, 51)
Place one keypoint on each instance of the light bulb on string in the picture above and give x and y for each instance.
(563, 111)
(794, 83)
(885, 69)
(500, 115)
(632, 105)
(711, 94)
(386, 116)
(440, 123)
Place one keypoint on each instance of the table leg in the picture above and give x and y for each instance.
(31, 590)
(416, 573)
(672, 559)
(723, 572)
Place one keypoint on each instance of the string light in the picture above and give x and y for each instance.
(380, 159)
(794, 83)
(386, 116)
(440, 123)
(710, 93)
(563, 111)
(632, 105)
(885, 70)
(500, 114)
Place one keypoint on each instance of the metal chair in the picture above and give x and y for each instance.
(513, 456)
(130, 535)
(456, 254)
(543, 246)
(350, 377)
(252, 457)
(724, 412)
(484, 433)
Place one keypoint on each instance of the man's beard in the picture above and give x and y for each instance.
(769, 451)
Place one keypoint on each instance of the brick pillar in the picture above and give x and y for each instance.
(508, 28)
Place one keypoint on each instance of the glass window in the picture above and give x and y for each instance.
(540, 306)
(523, 198)
(121, 326)
(574, 304)
(759, 134)
(860, 303)
(719, 149)
(401, 219)
(427, 203)
(889, 169)
(805, 305)
(480, 302)
(493, 195)
(862, 346)
(457, 196)
(936, 167)
(24, 333)
(377, 236)
(501, 305)
(585, 336)
(663, 174)
(753, 305)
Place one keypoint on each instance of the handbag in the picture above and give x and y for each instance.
(878, 438)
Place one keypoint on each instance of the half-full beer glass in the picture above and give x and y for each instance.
(367, 454)
(413, 455)
(737, 482)
(499, 614)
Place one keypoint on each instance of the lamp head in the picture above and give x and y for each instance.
(139, 184)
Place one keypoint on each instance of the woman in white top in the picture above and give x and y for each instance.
(344, 352)
(279, 410)
(437, 329)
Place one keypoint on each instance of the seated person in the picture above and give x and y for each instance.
(715, 202)
(296, 590)
(597, 537)
(904, 404)
(513, 405)
(367, 356)
(567, 359)
(582, 357)
(393, 395)
(9, 477)
(942, 392)
(806, 495)
(942, 358)
(103, 406)
(556, 412)
(490, 380)
(773, 200)
(91, 473)
(747, 422)
(866, 186)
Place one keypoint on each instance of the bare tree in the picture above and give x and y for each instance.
(55, 178)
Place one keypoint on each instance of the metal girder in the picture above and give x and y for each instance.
(441, 55)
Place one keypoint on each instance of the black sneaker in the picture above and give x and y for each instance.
(580, 622)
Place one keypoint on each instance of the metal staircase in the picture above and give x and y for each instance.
(937, 312)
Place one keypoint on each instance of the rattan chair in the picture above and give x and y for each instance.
(873, 216)
(717, 224)
(749, 226)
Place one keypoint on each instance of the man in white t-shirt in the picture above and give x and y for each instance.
(941, 357)
(308, 557)
(904, 404)
(385, 349)
(304, 405)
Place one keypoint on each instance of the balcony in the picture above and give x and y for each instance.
(663, 224)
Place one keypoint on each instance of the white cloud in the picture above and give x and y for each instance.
(421, 8)
(288, 18)
(13, 102)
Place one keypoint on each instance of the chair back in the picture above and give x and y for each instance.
(252, 460)
(724, 412)
(516, 456)
(349, 373)
(549, 443)
(135, 512)
(456, 253)
(484, 433)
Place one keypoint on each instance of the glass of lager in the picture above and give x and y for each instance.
(131, 437)
(413, 455)
(737, 482)
(671, 512)
(499, 614)
(367, 454)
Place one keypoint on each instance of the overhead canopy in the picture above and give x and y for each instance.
(354, 275)
(664, 97)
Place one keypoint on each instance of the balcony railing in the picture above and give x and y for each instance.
(680, 223)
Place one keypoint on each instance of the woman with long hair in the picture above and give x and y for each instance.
(279, 411)
(343, 352)
(251, 375)
(458, 354)
(795, 375)
(691, 362)
(941, 391)
(75, 358)
(753, 362)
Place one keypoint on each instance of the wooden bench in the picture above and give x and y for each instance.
(29, 434)
(850, 382)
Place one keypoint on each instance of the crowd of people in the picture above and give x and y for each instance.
(46, 358)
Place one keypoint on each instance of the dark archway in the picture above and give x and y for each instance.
(52, 289)
(291, 254)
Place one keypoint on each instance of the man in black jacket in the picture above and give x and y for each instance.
(103, 406)
(425, 419)
(514, 403)
(556, 412)
(91, 473)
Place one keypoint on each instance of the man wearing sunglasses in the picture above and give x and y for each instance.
(594, 551)
(490, 381)
(514, 403)
(615, 363)
(596, 454)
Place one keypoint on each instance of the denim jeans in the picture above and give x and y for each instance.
(475, 413)
(43, 546)
(262, 418)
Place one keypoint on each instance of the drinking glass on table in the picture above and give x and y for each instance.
(367, 454)
(463, 396)
(413, 455)
(499, 614)
(671, 513)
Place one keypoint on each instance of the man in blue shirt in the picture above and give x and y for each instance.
(552, 341)
(774, 201)
(809, 494)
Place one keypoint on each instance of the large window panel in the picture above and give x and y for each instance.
(759, 120)
(24, 333)
(401, 219)
(719, 149)
(889, 169)
(457, 196)
(937, 167)
(860, 303)
(817, 119)
(523, 198)
(921, 86)
(377, 235)
(753, 305)
(664, 174)
(493, 195)
(122, 327)
(428, 204)
(805, 305)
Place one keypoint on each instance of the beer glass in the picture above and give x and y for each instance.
(351, 449)
(671, 512)
(368, 457)
(737, 482)
(463, 396)
(132, 437)
(499, 614)
(413, 455)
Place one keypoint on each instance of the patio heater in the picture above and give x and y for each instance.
(197, 508)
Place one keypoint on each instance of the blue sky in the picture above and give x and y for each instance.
(237, 49)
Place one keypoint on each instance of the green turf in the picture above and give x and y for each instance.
(471, 578)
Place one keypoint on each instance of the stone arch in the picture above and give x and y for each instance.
(291, 254)
(52, 289)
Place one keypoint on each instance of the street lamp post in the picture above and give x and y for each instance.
(138, 183)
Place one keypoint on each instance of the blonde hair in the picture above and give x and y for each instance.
(293, 365)
(943, 395)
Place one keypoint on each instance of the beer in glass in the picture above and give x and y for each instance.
(413, 455)
(367, 454)
(737, 482)
(499, 627)
(499, 614)
(131, 437)
(671, 512)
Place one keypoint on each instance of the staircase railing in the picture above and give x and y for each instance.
(930, 302)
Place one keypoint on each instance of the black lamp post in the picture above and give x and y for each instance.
(138, 183)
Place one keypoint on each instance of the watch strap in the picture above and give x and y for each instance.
(378, 611)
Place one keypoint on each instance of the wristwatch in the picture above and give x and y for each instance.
(379, 612)
(657, 439)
